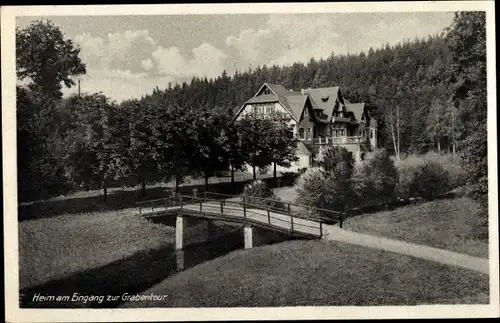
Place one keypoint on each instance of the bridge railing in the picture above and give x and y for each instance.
(295, 209)
(257, 214)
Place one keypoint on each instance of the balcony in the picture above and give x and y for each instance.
(336, 140)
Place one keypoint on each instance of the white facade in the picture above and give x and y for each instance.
(268, 108)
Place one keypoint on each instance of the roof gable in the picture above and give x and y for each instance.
(264, 98)
(324, 98)
(294, 102)
(297, 104)
(357, 109)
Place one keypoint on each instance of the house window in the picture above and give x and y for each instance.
(309, 131)
(301, 133)
(305, 112)
(371, 133)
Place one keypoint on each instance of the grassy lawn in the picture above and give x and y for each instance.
(307, 273)
(52, 248)
(58, 247)
(188, 181)
(451, 224)
(124, 197)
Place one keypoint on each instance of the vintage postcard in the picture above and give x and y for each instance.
(250, 161)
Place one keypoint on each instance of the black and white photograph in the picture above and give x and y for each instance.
(250, 161)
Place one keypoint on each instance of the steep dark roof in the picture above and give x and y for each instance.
(265, 98)
(280, 90)
(357, 109)
(293, 102)
(302, 149)
(318, 95)
(296, 104)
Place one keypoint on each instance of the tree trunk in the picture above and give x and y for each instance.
(206, 182)
(391, 121)
(254, 174)
(398, 129)
(143, 188)
(454, 149)
(177, 180)
(274, 171)
(439, 147)
(105, 189)
(232, 174)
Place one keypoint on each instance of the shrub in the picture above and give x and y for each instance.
(453, 165)
(406, 177)
(412, 165)
(430, 180)
(328, 186)
(475, 158)
(375, 179)
(258, 193)
(336, 162)
(315, 188)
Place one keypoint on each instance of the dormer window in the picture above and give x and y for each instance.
(305, 112)
(266, 91)
(324, 98)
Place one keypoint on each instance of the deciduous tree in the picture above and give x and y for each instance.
(46, 58)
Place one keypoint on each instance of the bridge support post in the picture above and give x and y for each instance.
(179, 254)
(180, 226)
(248, 236)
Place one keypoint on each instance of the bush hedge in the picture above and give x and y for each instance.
(379, 179)
(430, 180)
(328, 186)
(375, 179)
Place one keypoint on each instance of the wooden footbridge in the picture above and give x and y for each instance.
(294, 219)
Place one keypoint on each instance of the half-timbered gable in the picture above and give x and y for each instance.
(319, 116)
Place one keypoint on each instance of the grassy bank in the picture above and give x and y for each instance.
(58, 247)
(317, 273)
(52, 248)
(452, 224)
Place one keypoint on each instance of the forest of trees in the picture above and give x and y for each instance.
(428, 94)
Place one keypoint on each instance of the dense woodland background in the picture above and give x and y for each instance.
(429, 95)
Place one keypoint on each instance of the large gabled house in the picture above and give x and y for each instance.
(320, 117)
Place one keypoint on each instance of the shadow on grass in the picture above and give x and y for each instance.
(121, 199)
(131, 275)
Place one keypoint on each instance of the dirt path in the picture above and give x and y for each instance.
(443, 256)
